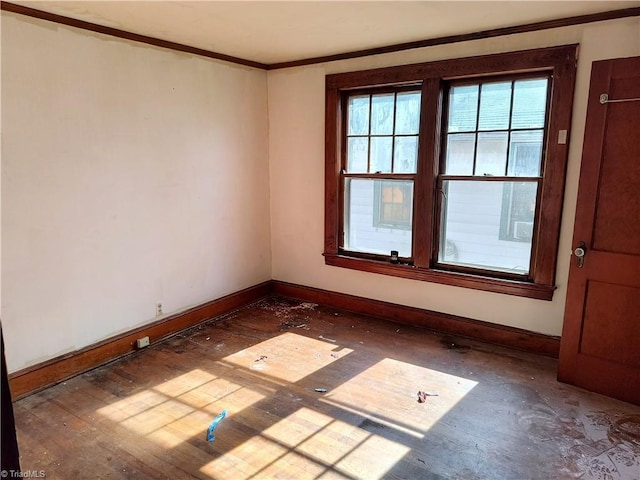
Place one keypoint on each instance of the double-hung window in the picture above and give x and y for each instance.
(451, 172)
(381, 152)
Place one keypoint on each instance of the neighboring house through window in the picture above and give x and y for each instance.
(393, 203)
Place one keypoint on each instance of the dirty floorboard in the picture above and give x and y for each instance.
(498, 413)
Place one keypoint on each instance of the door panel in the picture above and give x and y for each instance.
(617, 341)
(600, 346)
(616, 230)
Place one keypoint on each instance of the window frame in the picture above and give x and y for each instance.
(559, 62)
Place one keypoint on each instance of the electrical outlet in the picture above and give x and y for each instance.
(142, 342)
(158, 309)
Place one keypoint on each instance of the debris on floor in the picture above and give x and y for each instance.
(327, 339)
(258, 363)
(294, 323)
(320, 390)
(284, 309)
(214, 424)
(304, 306)
(335, 355)
(422, 396)
(450, 344)
(295, 398)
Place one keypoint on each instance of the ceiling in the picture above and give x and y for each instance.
(281, 31)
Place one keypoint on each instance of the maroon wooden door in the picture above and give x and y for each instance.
(600, 346)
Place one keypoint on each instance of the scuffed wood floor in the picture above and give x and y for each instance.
(499, 414)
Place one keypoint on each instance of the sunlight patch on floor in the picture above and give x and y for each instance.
(157, 417)
(175, 433)
(297, 427)
(314, 443)
(170, 417)
(183, 383)
(361, 463)
(247, 459)
(288, 356)
(346, 432)
(307, 441)
(399, 382)
(296, 465)
(133, 405)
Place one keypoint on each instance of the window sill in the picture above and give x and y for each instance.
(488, 284)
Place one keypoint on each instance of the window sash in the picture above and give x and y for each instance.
(492, 242)
(365, 134)
(363, 234)
(508, 130)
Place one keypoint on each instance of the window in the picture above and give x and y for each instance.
(381, 154)
(490, 173)
(458, 165)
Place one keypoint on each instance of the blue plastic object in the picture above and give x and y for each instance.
(214, 424)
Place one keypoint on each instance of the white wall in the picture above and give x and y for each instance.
(296, 160)
(130, 175)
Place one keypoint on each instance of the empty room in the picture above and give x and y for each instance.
(320, 239)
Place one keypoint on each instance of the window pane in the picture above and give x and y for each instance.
(495, 106)
(492, 153)
(463, 108)
(357, 154)
(405, 155)
(382, 114)
(378, 216)
(529, 103)
(525, 153)
(518, 209)
(358, 113)
(380, 154)
(408, 113)
(473, 215)
(460, 152)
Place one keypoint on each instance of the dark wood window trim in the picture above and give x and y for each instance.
(559, 62)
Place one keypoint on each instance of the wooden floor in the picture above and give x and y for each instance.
(499, 414)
